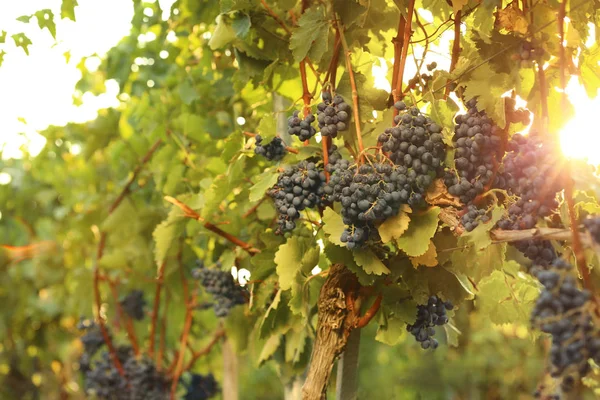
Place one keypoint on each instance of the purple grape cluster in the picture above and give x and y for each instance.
(473, 216)
(478, 143)
(201, 387)
(563, 311)
(333, 114)
(273, 151)
(429, 316)
(298, 187)
(592, 224)
(220, 284)
(133, 304)
(301, 127)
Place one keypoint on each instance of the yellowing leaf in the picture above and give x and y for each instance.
(421, 229)
(428, 259)
(394, 227)
(512, 19)
(333, 226)
(369, 262)
(438, 195)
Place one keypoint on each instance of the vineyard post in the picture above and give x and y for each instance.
(230, 372)
(347, 369)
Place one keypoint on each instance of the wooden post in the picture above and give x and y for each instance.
(230, 372)
(347, 369)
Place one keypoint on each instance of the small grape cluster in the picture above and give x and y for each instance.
(133, 304)
(368, 193)
(532, 173)
(92, 341)
(478, 144)
(527, 52)
(333, 114)
(201, 387)
(428, 316)
(593, 226)
(273, 151)
(301, 127)
(516, 115)
(563, 311)
(297, 188)
(473, 216)
(417, 147)
(220, 284)
(422, 80)
(142, 381)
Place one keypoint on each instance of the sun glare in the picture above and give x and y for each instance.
(578, 138)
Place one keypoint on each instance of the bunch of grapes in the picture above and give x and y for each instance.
(142, 381)
(301, 127)
(201, 387)
(273, 151)
(527, 52)
(516, 115)
(593, 227)
(368, 194)
(473, 216)
(428, 316)
(92, 340)
(133, 304)
(333, 114)
(532, 173)
(478, 144)
(220, 284)
(297, 188)
(416, 146)
(563, 311)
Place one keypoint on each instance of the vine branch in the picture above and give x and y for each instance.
(155, 308)
(397, 89)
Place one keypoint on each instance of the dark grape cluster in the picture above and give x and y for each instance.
(563, 311)
(593, 226)
(516, 115)
(142, 381)
(273, 151)
(473, 216)
(429, 316)
(527, 52)
(301, 127)
(220, 284)
(333, 114)
(417, 148)
(133, 304)
(92, 340)
(368, 193)
(297, 188)
(201, 387)
(532, 173)
(478, 143)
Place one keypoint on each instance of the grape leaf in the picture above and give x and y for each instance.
(341, 255)
(392, 332)
(270, 347)
(222, 35)
(45, 19)
(267, 127)
(264, 182)
(310, 35)
(22, 41)
(295, 343)
(394, 227)
(67, 9)
(366, 259)
(427, 259)
(333, 226)
(294, 257)
(165, 233)
(480, 236)
(415, 241)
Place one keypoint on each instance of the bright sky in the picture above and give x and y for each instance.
(38, 88)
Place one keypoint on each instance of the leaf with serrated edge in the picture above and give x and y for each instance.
(415, 241)
(428, 259)
(264, 182)
(394, 227)
(480, 236)
(369, 262)
(333, 225)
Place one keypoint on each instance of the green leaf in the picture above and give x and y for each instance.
(270, 347)
(392, 332)
(310, 35)
(394, 227)
(45, 20)
(333, 226)
(223, 34)
(2, 37)
(241, 25)
(369, 262)
(480, 236)
(22, 41)
(67, 9)
(264, 182)
(187, 92)
(25, 18)
(295, 343)
(267, 127)
(165, 233)
(294, 257)
(341, 255)
(415, 241)
(2, 54)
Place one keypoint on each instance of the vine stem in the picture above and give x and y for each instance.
(219, 333)
(354, 90)
(155, 308)
(370, 313)
(455, 48)
(100, 252)
(543, 94)
(189, 213)
(182, 345)
(306, 95)
(398, 94)
(163, 334)
(128, 322)
(398, 43)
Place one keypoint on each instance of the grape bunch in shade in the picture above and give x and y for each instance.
(514, 114)
(133, 304)
(429, 316)
(533, 174)
(141, 379)
(473, 217)
(527, 52)
(369, 193)
(333, 114)
(92, 339)
(298, 187)
(479, 150)
(592, 225)
(301, 127)
(220, 284)
(273, 151)
(417, 148)
(563, 310)
(201, 387)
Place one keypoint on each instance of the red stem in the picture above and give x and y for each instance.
(455, 48)
(159, 284)
(182, 345)
(163, 334)
(398, 94)
(197, 354)
(306, 96)
(365, 319)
